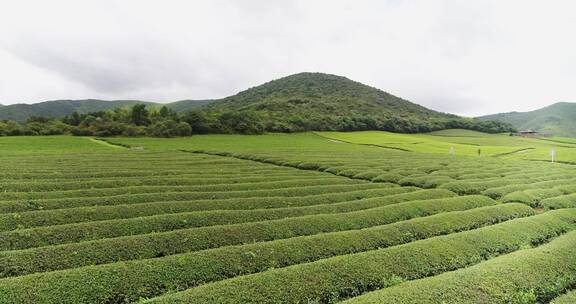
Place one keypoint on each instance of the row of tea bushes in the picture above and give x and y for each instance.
(12, 221)
(166, 222)
(152, 245)
(527, 276)
(136, 198)
(337, 278)
(133, 280)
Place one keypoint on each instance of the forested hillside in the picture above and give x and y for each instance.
(59, 108)
(558, 119)
(317, 101)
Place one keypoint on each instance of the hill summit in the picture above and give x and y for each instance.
(318, 101)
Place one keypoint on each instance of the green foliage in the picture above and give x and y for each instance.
(182, 240)
(568, 298)
(351, 275)
(241, 122)
(124, 196)
(338, 201)
(276, 217)
(169, 128)
(323, 102)
(140, 115)
(531, 197)
(528, 276)
(145, 278)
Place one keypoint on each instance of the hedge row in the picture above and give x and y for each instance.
(528, 276)
(184, 240)
(318, 181)
(498, 192)
(12, 221)
(130, 281)
(165, 222)
(122, 173)
(473, 187)
(568, 298)
(425, 181)
(164, 181)
(532, 197)
(559, 202)
(129, 198)
(337, 278)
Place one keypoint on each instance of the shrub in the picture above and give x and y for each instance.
(144, 278)
(387, 178)
(184, 240)
(11, 221)
(463, 188)
(568, 298)
(564, 201)
(367, 175)
(351, 275)
(527, 276)
(30, 201)
(531, 197)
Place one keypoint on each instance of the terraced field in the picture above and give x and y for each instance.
(279, 219)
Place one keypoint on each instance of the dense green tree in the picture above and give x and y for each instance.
(140, 115)
(10, 128)
(200, 121)
(169, 128)
(241, 122)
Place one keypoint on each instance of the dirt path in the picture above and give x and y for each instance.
(105, 143)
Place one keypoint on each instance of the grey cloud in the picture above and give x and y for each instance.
(455, 56)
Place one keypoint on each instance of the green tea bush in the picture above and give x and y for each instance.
(527, 276)
(133, 280)
(165, 181)
(135, 198)
(367, 175)
(325, 180)
(463, 188)
(568, 298)
(184, 240)
(564, 201)
(351, 275)
(425, 181)
(531, 197)
(12, 221)
(387, 178)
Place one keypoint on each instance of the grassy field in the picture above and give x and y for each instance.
(362, 217)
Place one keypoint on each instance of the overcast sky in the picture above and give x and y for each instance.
(464, 57)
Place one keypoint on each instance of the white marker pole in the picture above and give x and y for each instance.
(452, 152)
(552, 154)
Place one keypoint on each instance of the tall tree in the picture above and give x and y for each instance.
(140, 115)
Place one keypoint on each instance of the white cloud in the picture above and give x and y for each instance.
(467, 57)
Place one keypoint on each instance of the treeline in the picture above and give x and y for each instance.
(381, 122)
(140, 120)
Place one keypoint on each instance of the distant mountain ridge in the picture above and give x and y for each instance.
(60, 108)
(558, 119)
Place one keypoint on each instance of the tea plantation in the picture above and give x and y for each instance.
(362, 217)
